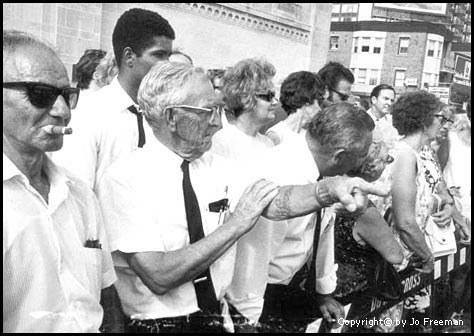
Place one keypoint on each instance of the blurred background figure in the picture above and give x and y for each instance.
(106, 70)
(216, 77)
(84, 71)
(338, 81)
(300, 96)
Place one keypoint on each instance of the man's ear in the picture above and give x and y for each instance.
(339, 155)
(326, 93)
(128, 57)
(171, 119)
(373, 99)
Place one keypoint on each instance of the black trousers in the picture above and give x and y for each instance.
(287, 309)
(193, 323)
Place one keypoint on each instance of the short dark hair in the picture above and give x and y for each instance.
(333, 72)
(376, 91)
(300, 88)
(136, 28)
(413, 111)
(341, 125)
(85, 68)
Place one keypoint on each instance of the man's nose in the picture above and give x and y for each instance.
(61, 109)
(216, 118)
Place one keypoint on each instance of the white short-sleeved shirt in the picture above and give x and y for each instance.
(103, 130)
(457, 172)
(272, 252)
(143, 206)
(51, 281)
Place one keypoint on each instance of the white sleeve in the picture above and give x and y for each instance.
(326, 279)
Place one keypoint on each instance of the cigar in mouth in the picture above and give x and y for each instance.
(56, 130)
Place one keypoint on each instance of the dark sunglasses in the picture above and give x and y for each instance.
(44, 95)
(343, 96)
(269, 96)
(444, 120)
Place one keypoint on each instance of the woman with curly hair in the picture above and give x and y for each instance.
(417, 117)
(249, 95)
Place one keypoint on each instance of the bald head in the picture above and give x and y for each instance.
(23, 54)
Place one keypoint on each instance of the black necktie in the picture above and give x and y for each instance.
(311, 283)
(205, 293)
(141, 131)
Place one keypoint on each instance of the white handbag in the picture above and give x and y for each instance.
(440, 240)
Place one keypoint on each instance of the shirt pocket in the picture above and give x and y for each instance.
(93, 261)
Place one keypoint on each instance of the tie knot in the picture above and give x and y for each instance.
(185, 166)
(133, 109)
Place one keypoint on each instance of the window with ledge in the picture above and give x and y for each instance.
(440, 48)
(365, 44)
(374, 77)
(431, 48)
(356, 44)
(378, 45)
(403, 44)
(399, 78)
(334, 43)
(361, 76)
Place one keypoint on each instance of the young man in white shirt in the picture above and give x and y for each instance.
(109, 124)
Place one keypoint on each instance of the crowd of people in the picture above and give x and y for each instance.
(157, 196)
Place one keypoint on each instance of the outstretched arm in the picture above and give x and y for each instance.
(348, 193)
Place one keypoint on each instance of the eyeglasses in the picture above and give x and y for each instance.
(209, 111)
(389, 159)
(43, 95)
(343, 96)
(96, 52)
(444, 119)
(269, 96)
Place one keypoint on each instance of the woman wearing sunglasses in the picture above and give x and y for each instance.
(249, 95)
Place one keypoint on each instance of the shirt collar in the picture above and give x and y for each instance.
(120, 95)
(154, 145)
(374, 118)
(57, 177)
(9, 169)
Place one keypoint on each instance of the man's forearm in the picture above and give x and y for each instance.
(293, 201)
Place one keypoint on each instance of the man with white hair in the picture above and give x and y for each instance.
(174, 224)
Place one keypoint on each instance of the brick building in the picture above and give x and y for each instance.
(409, 47)
(293, 36)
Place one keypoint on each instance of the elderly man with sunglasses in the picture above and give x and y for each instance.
(55, 259)
(173, 226)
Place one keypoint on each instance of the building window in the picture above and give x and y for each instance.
(374, 77)
(334, 43)
(440, 48)
(365, 44)
(467, 70)
(336, 8)
(399, 78)
(378, 45)
(403, 45)
(431, 48)
(361, 76)
(356, 44)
